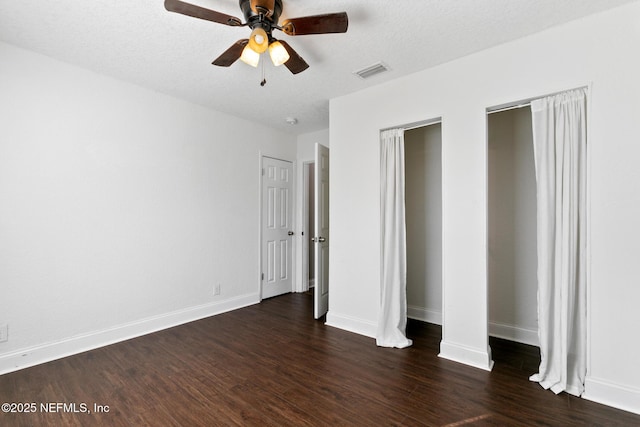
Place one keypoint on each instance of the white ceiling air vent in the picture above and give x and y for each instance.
(371, 70)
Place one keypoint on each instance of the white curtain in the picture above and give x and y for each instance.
(392, 318)
(559, 138)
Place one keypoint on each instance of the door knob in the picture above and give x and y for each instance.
(319, 239)
(291, 233)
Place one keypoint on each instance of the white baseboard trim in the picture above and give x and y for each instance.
(499, 330)
(513, 333)
(424, 315)
(48, 352)
(466, 355)
(610, 394)
(352, 324)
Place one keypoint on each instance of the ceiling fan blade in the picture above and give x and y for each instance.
(263, 6)
(316, 24)
(200, 12)
(295, 64)
(232, 54)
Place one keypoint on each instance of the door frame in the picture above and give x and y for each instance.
(294, 248)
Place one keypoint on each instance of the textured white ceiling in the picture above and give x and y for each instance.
(139, 42)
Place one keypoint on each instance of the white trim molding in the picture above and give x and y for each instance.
(611, 394)
(48, 352)
(352, 324)
(424, 314)
(514, 333)
(466, 355)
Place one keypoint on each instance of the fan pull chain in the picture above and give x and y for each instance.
(264, 81)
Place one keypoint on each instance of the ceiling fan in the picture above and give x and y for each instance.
(262, 17)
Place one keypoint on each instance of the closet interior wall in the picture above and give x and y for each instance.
(423, 199)
(512, 252)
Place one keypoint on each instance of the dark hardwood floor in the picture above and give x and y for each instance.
(272, 364)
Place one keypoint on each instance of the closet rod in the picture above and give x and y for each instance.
(421, 125)
(510, 107)
(527, 102)
(415, 125)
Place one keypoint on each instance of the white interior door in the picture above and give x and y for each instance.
(277, 232)
(321, 232)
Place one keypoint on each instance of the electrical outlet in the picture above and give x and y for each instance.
(4, 332)
(216, 289)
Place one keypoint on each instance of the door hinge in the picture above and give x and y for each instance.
(262, 276)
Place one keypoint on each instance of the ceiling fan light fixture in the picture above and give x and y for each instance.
(259, 41)
(249, 56)
(263, 18)
(278, 53)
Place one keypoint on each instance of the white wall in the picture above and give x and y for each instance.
(423, 200)
(597, 50)
(306, 144)
(512, 251)
(120, 208)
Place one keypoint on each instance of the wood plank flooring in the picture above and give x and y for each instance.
(273, 365)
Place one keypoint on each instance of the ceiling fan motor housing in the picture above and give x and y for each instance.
(262, 20)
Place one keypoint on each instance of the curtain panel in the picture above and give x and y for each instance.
(560, 145)
(392, 317)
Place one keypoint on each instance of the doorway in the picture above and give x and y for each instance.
(315, 221)
(423, 201)
(537, 234)
(512, 227)
(308, 215)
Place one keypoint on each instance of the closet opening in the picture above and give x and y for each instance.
(537, 238)
(423, 201)
(512, 246)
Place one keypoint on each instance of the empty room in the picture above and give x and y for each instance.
(278, 212)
